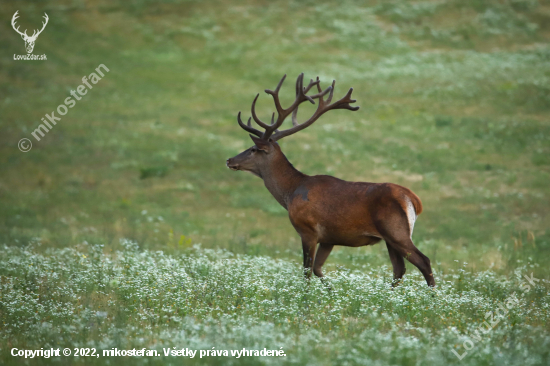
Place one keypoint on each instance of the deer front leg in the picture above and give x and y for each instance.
(322, 255)
(308, 247)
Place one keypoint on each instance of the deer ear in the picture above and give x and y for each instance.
(260, 143)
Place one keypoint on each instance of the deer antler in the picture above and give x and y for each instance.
(35, 33)
(15, 16)
(248, 127)
(322, 108)
(301, 96)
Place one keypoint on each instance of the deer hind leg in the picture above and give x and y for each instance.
(398, 264)
(407, 249)
(322, 254)
(396, 233)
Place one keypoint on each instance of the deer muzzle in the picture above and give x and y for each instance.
(231, 165)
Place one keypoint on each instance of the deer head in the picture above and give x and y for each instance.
(266, 149)
(29, 40)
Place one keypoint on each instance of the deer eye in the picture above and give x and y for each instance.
(254, 150)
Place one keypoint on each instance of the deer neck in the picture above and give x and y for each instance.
(282, 179)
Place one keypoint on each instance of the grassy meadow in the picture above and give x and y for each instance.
(122, 227)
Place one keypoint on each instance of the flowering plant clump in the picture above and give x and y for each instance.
(212, 299)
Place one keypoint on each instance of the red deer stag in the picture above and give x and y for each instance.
(324, 209)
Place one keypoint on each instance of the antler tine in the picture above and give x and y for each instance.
(280, 83)
(253, 111)
(248, 127)
(344, 103)
(273, 122)
(13, 20)
(44, 23)
(311, 84)
(294, 114)
(299, 85)
(319, 89)
(301, 91)
(322, 93)
(331, 92)
(275, 94)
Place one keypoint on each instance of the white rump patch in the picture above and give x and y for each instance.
(411, 215)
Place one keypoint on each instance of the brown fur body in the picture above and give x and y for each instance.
(323, 206)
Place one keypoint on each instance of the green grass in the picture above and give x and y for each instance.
(455, 104)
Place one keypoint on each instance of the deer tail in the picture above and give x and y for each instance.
(415, 200)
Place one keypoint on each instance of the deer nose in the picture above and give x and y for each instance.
(231, 166)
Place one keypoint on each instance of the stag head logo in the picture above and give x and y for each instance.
(29, 40)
